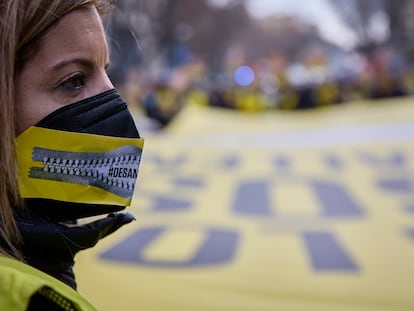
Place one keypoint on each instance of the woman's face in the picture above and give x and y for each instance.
(69, 66)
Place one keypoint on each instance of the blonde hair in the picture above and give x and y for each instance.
(23, 23)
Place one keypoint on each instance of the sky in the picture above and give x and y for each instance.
(319, 12)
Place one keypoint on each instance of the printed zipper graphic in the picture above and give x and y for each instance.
(115, 171)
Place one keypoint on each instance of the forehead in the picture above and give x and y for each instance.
(78, 34)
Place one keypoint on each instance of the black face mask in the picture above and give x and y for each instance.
(81, 160)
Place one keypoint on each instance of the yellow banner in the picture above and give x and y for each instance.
(296, 211)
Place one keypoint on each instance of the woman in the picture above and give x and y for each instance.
(69, 148)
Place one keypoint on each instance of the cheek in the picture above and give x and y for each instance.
(32, 100)
(26, 116)
(30, 108)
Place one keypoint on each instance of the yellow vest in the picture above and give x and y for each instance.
(19, 282)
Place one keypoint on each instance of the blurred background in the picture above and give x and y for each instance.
(277, 171)
(260, 55)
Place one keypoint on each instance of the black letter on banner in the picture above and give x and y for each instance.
(218, 247)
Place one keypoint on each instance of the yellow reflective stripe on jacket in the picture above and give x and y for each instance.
(19, 282)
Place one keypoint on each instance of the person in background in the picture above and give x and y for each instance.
(69, 149)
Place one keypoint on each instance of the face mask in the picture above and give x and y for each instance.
(81, 160)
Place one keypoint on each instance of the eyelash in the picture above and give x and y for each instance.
(74, 83)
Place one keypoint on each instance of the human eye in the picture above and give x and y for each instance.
(74, 82)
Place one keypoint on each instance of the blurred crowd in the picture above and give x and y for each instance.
(315, 79)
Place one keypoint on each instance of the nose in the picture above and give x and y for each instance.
(104, 83)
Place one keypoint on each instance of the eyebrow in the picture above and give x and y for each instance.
(81, 61)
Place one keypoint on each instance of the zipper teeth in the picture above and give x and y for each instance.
(114, 171)
(90, 168)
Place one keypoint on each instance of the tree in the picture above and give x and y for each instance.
(398, 16)
(149, 32)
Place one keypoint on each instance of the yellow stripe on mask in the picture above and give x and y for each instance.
(77, 167)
